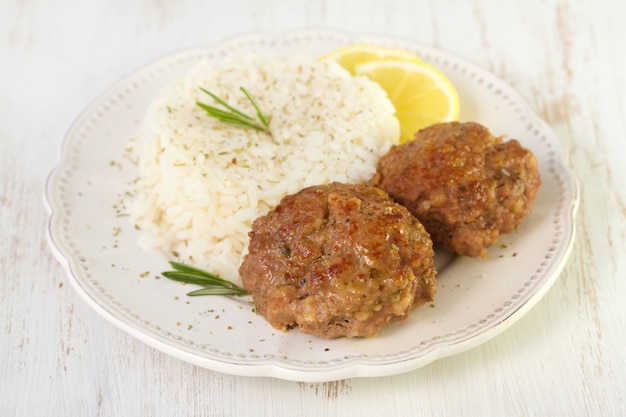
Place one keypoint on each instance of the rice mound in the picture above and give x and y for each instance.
(203, 182)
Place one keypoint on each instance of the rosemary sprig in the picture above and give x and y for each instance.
(213, 285)
(234, 116)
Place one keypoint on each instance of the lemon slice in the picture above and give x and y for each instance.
(351, 56)
(421, 94)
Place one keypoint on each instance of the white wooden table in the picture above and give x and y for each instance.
(567, 356)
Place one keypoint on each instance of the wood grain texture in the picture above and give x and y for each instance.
(565, 357)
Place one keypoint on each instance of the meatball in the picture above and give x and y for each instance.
(465, 185)
(338, 260)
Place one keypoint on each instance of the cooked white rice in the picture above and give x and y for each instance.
(203, 182)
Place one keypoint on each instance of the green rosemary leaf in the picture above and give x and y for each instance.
(235, 116)
(225, 104)
(216, 291)
(179, 266)
(189, 278)
(259, 113)
(213, 284)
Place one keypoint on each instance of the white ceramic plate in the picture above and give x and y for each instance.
(477, 298)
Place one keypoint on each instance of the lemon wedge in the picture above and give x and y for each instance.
(421, 94)
(349, 57)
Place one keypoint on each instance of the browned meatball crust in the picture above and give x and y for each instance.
(338, 260)
(465, 185)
